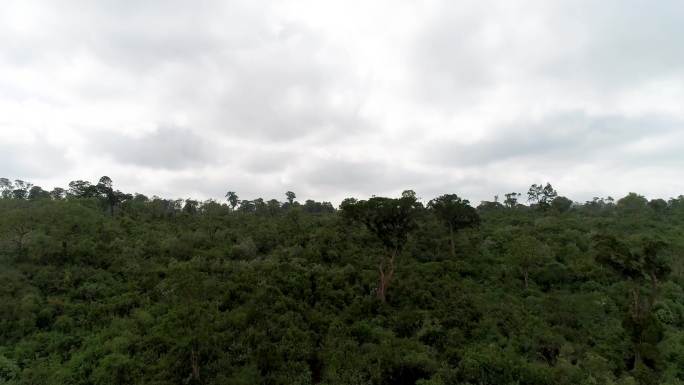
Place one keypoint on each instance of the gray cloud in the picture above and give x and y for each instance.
(165, 148)
(619, 43)
(260, 161)
(469, 51)
(341, 178)
(573, 137)
(39, 159)
(336, 99)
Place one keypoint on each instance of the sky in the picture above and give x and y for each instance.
(336, 99)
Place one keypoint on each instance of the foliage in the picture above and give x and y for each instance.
(104, 287)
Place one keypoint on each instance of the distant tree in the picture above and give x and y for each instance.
(632, 204)
(511, 199)
(247, 206)
(106, 190)
(676, 205)
(57, 193)
(260, 206)
(21, 189)
(6, 187)
(313, 207)
(456, 213)
(273, 206)
(486, 206)
(233, 199)
(542, 197)
(327, 207)
(105, 182)
(410, 194)
(527, 252)
(390, 220)
(36, 192)
(191, 206)
(659, 206)
(641, 267)
(549, 193)
(17, 224)
(9, 370)
(190, 314)
(599, 205)
(561, 204)
(81, 189)
(290, 197)
(595, 203)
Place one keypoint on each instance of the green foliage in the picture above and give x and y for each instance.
(103, 287)
(389, 219)
(541, 196)
(456, 213)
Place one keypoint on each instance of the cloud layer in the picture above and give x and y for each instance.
(339, 98)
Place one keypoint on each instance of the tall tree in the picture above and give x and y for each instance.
(527, 252)
(190, 206)
(247, 206)
(37, 192)
(17, 224)
(290, 197)
(21, 189)
(57, 193)
(390, 220)
(273, 206)
(632, 204)
(561, 204)
(511, 199)
(233, 199)
(541, 196)
(106, 190)
(6, 187)
(82, 189)
(456, 213)
(643, 268)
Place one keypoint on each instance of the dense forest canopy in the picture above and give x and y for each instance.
(105, 287)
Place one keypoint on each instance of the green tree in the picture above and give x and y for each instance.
(290, 197)
(58, 193)
(36, 192)
(106, 190)
(456, 213)
(233, 199)
(21, 189)
(6, 187)
(9, 371)
(527, 252)
(511, 199)
(561, 204)
(659, 206)
(81, 189)
(390, 220)
(273, 207)
(540, 196)
(632, 204)
(17, 224)
(645, 266)
(191, 206)
(247, 206)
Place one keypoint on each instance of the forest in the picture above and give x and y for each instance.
(101, 286)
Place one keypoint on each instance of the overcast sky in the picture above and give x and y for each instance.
(333, 99)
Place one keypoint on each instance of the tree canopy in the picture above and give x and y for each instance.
(101, 286)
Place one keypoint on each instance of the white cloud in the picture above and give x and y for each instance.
(340, 98)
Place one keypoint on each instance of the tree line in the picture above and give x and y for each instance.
(107, 287)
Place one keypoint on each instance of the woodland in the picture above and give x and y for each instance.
(99, 286)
